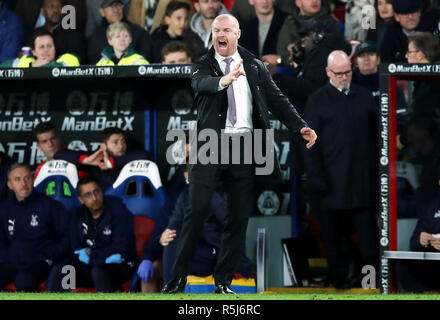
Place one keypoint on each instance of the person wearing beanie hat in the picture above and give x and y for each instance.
(366, 73)
(409, 20)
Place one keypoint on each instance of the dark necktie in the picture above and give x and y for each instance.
(230, 91)
(345, 91)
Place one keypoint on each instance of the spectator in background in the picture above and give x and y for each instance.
(306, 10)
(421, 142)
(423, 47)
(207, 11)
(106, 163)
(43, 54)
(119, 51)
(317, 41)
(112, 11)
(141, 12)
(66, 41)
(410, 19)
(176, 28)
(102, 241)
(12, 33)
(48, 142)
(244, 12)
(384, 18)
(354, 14)
(175, 52)
(5, 163)
(260, 35)
(159, 14)
(29, 12)
(33, 232)
(345, 116)
(366, 73)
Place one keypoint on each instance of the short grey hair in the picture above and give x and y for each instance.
(17, 165)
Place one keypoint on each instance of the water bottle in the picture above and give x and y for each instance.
(27, 51)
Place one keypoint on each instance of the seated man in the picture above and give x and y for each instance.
(102, 241)
(206, 255)
(49, 143)
(106, 163)
(33, 232)
(43, 54)
(120, 51)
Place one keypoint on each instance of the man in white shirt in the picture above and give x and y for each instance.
(234, 93)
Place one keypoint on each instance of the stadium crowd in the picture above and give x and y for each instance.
(319, 53)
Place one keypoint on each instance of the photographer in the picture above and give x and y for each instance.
(309, 58)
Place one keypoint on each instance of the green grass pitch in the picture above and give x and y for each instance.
(281, 296)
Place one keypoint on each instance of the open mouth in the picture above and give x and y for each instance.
(222, 44)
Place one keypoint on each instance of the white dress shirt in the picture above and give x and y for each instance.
(243, 97)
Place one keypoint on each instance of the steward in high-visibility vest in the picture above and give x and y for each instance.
(66, 60)
(129, 58)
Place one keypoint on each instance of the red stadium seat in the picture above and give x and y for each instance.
(11, 287)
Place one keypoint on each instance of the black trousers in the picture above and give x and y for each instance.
(337, 227)
(104, 278)
(239, 186)
(25, 279)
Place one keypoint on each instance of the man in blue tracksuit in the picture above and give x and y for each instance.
(422, 275)
(102, 239)
(33, 231)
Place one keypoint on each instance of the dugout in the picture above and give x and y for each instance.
(146, 102)
(409, 165)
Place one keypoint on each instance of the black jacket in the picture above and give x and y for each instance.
(311, 74)
(371, 82)
(213, 104)
(33, 230)
(98, 41)
(341, 167)
(161, 37)
(114, 233)
(429, 222)
(395, 42)
(249, 34)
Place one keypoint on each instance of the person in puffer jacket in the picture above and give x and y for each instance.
(33, 232)
(102, 242)
(43, 54)
(119, 51)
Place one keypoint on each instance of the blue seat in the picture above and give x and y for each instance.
(58, 179)
(140, 187)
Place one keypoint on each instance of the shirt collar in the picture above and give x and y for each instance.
(236, 56)
(340, 89)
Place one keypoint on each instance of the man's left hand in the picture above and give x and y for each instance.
(309, 135)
